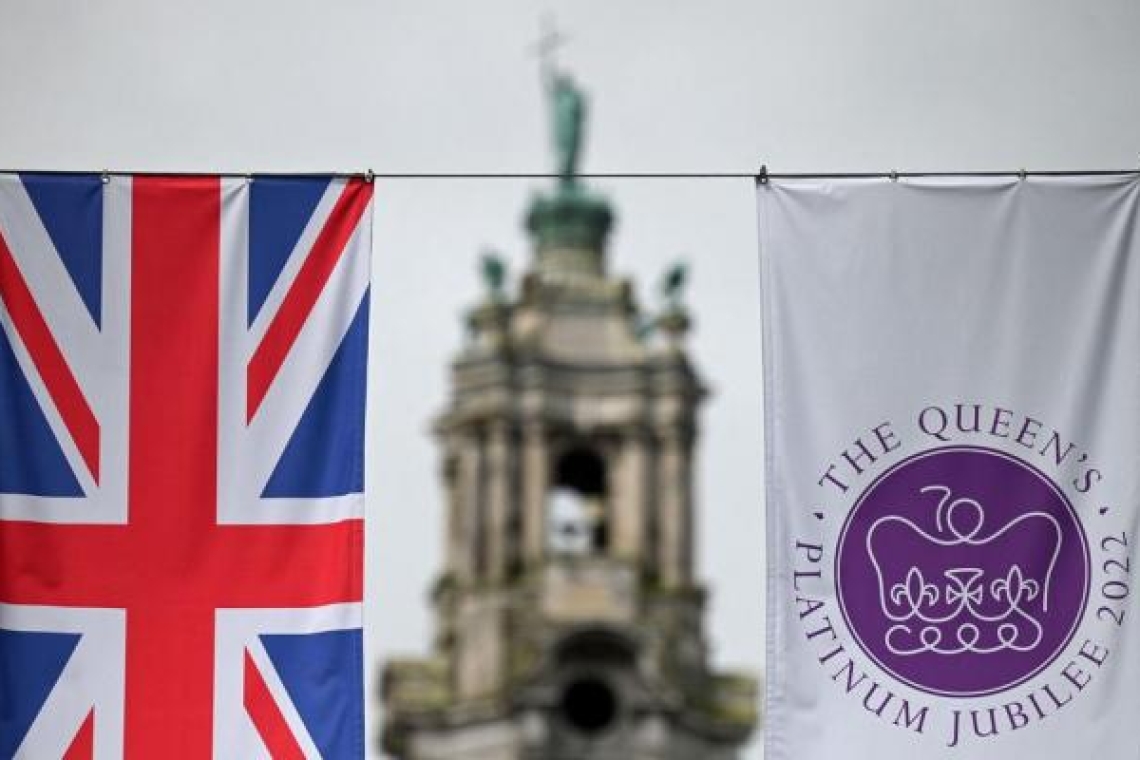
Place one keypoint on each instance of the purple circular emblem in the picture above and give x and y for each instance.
(962, 571)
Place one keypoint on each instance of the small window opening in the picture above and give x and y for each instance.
(578, 505)
(589, 705)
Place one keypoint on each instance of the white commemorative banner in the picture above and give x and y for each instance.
(952, 379)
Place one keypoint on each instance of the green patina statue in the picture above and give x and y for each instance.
(673, 285)
(568, 104)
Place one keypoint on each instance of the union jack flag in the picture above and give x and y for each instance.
(182, 386)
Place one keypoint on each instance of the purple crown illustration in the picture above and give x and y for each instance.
(975, 584)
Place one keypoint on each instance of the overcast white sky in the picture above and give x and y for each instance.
(438, 86)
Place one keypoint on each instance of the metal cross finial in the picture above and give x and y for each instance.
(549, 41)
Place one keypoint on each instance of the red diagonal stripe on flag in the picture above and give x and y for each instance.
(267, 717)
(57, 376)
(303, 294)
(83, 745)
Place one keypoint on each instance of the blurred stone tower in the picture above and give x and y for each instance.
(569, 620)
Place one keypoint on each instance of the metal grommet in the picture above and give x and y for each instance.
(763, 177)
(1022, 174)
(106, 177)
(369, 177)
(894, 175)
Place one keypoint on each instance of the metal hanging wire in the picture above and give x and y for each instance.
(762, 176)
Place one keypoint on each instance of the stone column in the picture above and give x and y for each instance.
(688, 514)
(535, 488)
(673, 508)
(498, 504)
(470, 507)
(630, 499)
(452, 529)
